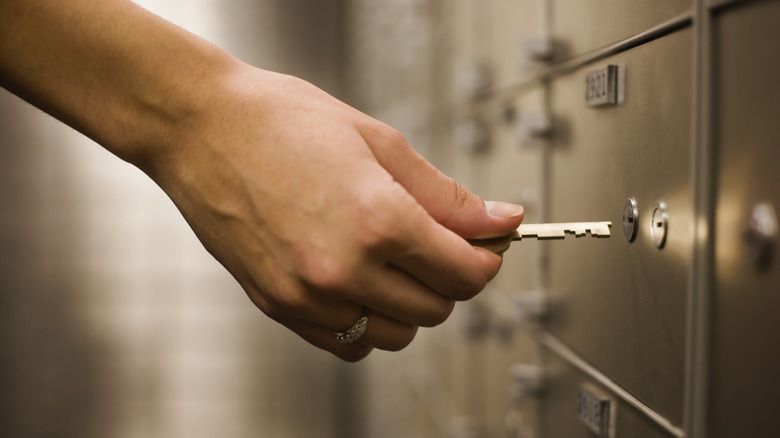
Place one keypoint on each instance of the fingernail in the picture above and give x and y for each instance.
(503, 209)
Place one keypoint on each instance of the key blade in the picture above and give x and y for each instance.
(559, 230)
(540, 231)
(545, 231)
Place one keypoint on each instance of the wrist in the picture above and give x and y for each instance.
(168, 103)
(162, 98)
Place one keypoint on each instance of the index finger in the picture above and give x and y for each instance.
(442, 260)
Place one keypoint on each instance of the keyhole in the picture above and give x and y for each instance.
(630, 214)
(659, 224)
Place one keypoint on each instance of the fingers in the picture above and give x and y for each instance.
(381, 333)
(448, 202)
(434, 255)
(374, 284)
(325, 339)
(449, 265)
(393, 292)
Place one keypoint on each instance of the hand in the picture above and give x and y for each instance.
(320, 211)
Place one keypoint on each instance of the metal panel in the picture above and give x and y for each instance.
(558, 415)
(584, 25)
(620, 304)
(746, 327)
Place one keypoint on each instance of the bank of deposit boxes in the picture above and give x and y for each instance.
(663, 118)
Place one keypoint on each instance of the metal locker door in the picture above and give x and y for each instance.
(745, 347)
(621, 305)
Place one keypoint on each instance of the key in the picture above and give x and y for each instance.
(545, 231)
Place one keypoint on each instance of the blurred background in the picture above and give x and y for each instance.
(115, 322)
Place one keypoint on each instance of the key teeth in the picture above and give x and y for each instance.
(594, 232)
(544, 232)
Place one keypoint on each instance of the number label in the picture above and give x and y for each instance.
(595, 409)
(604, 86)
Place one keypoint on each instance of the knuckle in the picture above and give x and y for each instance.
(403, 337)
(328, 273)
(468, 289)
(353, 353)
(292, 302)
(460, 199)
(384, 230)
(439, 316)
(460, 195)
(272, 311)
(269, 299)
(282, 304)
(388, 135)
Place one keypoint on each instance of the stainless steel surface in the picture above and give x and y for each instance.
(659, 224)
(697, 325)
(644, 325)
(622, 306)
(630, 219)
(745, 358)
(558, 412)
(582, 26)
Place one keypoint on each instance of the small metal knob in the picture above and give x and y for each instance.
(529, 382)
(533, 127)
(762, 234)
(532, 307)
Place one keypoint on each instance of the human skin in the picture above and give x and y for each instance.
(320, 212)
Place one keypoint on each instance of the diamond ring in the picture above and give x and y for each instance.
(354, 332)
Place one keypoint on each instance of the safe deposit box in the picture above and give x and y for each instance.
(663, 118)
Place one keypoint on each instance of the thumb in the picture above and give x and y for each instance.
(445, 200)
(460, 210)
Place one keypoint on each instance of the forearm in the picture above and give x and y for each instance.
(108, 68)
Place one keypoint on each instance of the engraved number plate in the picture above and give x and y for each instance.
(596, 410)
(604, 86)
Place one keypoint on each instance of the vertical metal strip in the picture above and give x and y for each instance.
(703, 184)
